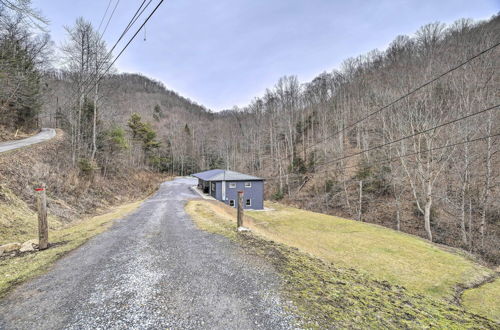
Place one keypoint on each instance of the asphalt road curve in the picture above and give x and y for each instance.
(44, 135)
(152, 270)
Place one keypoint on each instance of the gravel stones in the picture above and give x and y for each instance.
(152, 270)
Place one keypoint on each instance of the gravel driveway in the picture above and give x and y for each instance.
(152, 270)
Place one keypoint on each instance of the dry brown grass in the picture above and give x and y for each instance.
(9, 134)
(70, 194)
(15, 270)
(70, 198)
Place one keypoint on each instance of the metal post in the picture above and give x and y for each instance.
(240, 210)
(43, 229)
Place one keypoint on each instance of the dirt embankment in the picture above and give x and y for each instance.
(70, 194)
(7, 134)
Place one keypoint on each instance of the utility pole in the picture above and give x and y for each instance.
(43, 229)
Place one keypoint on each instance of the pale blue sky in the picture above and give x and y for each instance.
(222, 53)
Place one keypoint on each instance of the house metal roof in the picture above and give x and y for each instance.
(221, 175)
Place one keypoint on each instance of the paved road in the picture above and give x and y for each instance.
(44, 135)
(152, 270)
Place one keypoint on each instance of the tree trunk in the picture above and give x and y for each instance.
(464, 190)
(94, 124)
(427, 210)
(360, 210)
(486, 194)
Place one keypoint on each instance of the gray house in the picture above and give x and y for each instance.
(224, 185)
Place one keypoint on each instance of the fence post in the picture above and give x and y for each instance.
(240, 210)
(43, 229)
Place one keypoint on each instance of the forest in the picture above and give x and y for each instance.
(405, 137)
(351, 143)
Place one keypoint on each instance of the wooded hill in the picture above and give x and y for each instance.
(177, 123)
(318, 143)
(332, 145)
(427, 164)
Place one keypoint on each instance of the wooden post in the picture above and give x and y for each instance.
(43, 228)
(360, 199)
(240, 210)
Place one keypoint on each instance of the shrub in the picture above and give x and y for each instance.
(329, 185)
(375, 179)
(278, 195)
(117, 137)
(86, 166)
(298, 166)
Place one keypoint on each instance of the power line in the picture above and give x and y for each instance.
(411, 135)
(88, 81)
(92, 85)
(136, 18)
(456, 67)
(390, 160)
(129, 42)
(410, 92)
(110, 17)
(103, 16)
(132, 21)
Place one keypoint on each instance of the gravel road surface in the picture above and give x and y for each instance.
(152, 270)
(44, 135)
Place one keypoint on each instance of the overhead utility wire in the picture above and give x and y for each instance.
(411, 135)
(400, 98)
(132, 21)
(390, 160)
(92, 76)
(136, 18)
(409, 93)
(129, 42)
(88, 82)
(104, 16)
(110, 17)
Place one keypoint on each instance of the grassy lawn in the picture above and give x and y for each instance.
(16, 270)
(484, 300)
(378, 251)
(333, 294)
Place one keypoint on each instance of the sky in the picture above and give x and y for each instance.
(223, 53)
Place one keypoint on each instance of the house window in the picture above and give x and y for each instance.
(232, 184)
(213, 186)
(249, 202)
(231, 202)
(248, 185)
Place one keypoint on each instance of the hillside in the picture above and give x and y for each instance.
(316, 142)
(71, 194)
(386, 278)
(286, 135)
(123, 95)
(74, 198)
(179, 123)
(381, 175)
